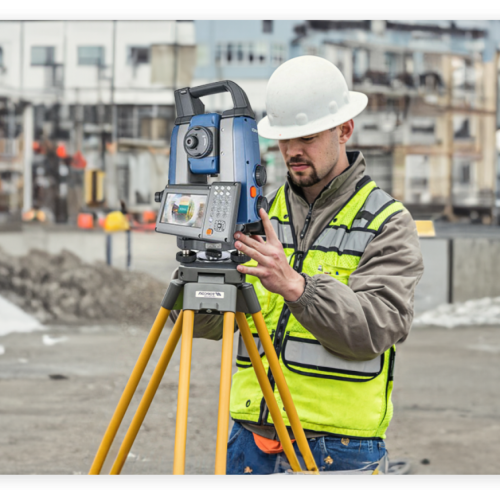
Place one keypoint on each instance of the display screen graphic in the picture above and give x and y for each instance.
(185, 209)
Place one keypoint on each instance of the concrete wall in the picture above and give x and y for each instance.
(476, 268)
(433, 288)
(152, 253)
(474, 264)
(475, 261)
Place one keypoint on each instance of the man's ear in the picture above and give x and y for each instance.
(345, 131)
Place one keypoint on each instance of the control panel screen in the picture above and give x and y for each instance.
(185, 209)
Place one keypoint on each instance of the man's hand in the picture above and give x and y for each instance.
(273, 269)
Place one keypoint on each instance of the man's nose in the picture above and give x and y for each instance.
(294, 148)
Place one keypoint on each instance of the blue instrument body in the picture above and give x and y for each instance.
(246, 158)
(210, 164)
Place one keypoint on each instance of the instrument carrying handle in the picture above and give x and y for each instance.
(188, 104)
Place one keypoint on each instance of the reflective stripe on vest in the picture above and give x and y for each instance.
(242, 355)
(341, 240)
(311, 354)
(283, 231)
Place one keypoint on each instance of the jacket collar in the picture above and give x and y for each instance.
(345, 181)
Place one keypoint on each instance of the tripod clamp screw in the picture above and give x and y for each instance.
(239, 258)
(185, 256)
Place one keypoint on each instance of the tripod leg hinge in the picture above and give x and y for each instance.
(247, 295)
(173, 293)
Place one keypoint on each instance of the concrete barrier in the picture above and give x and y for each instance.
(434, 286)
(151, 252)
(476, 268)
(456, 269)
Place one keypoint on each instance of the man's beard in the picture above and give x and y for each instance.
(302, 180)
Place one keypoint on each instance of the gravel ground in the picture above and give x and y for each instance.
(58, 395)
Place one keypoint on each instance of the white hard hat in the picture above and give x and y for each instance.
(307, 95)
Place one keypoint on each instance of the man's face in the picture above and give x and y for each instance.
(311, 158)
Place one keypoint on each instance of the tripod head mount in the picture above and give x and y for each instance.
(213, 255)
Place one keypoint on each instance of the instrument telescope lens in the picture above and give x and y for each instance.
(191, 142)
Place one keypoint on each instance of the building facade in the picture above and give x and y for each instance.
(89, 84)
(105, 89)
(429, 130)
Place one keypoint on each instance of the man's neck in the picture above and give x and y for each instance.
(312, 192)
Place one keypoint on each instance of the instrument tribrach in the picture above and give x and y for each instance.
(204, 217)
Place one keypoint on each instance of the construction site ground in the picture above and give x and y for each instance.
(59, 389)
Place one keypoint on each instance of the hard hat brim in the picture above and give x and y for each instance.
(357, 103)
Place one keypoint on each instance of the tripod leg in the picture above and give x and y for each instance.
(183, 394)
(129, 390)
(284, 391)
(267, 391)
(225, 390)
(149, 394)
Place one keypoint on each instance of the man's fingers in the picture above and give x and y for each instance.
(259, 245)
(268, 227)
(251, 252)
(258, 238)
(259, 272)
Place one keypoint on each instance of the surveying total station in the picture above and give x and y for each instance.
(204, 216)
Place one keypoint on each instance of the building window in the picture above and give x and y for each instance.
(138, 55)
(465, 176)
(262, 53)
(267, 26)
(42, 56)
(241, 53)
(277, 53)
(91, 56)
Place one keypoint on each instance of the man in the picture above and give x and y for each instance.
(335, 277)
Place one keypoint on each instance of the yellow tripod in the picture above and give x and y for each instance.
(209, 288)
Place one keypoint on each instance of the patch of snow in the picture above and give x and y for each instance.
(15, 320)
(49, 340)
(477, 312)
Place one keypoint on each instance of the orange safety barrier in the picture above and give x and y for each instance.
(85, 221)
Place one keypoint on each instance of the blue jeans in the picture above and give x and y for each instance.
(330, 454)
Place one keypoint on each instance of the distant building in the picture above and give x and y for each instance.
(90, 83)
(429, 130)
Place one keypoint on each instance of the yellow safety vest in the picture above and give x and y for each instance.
(348, 398)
